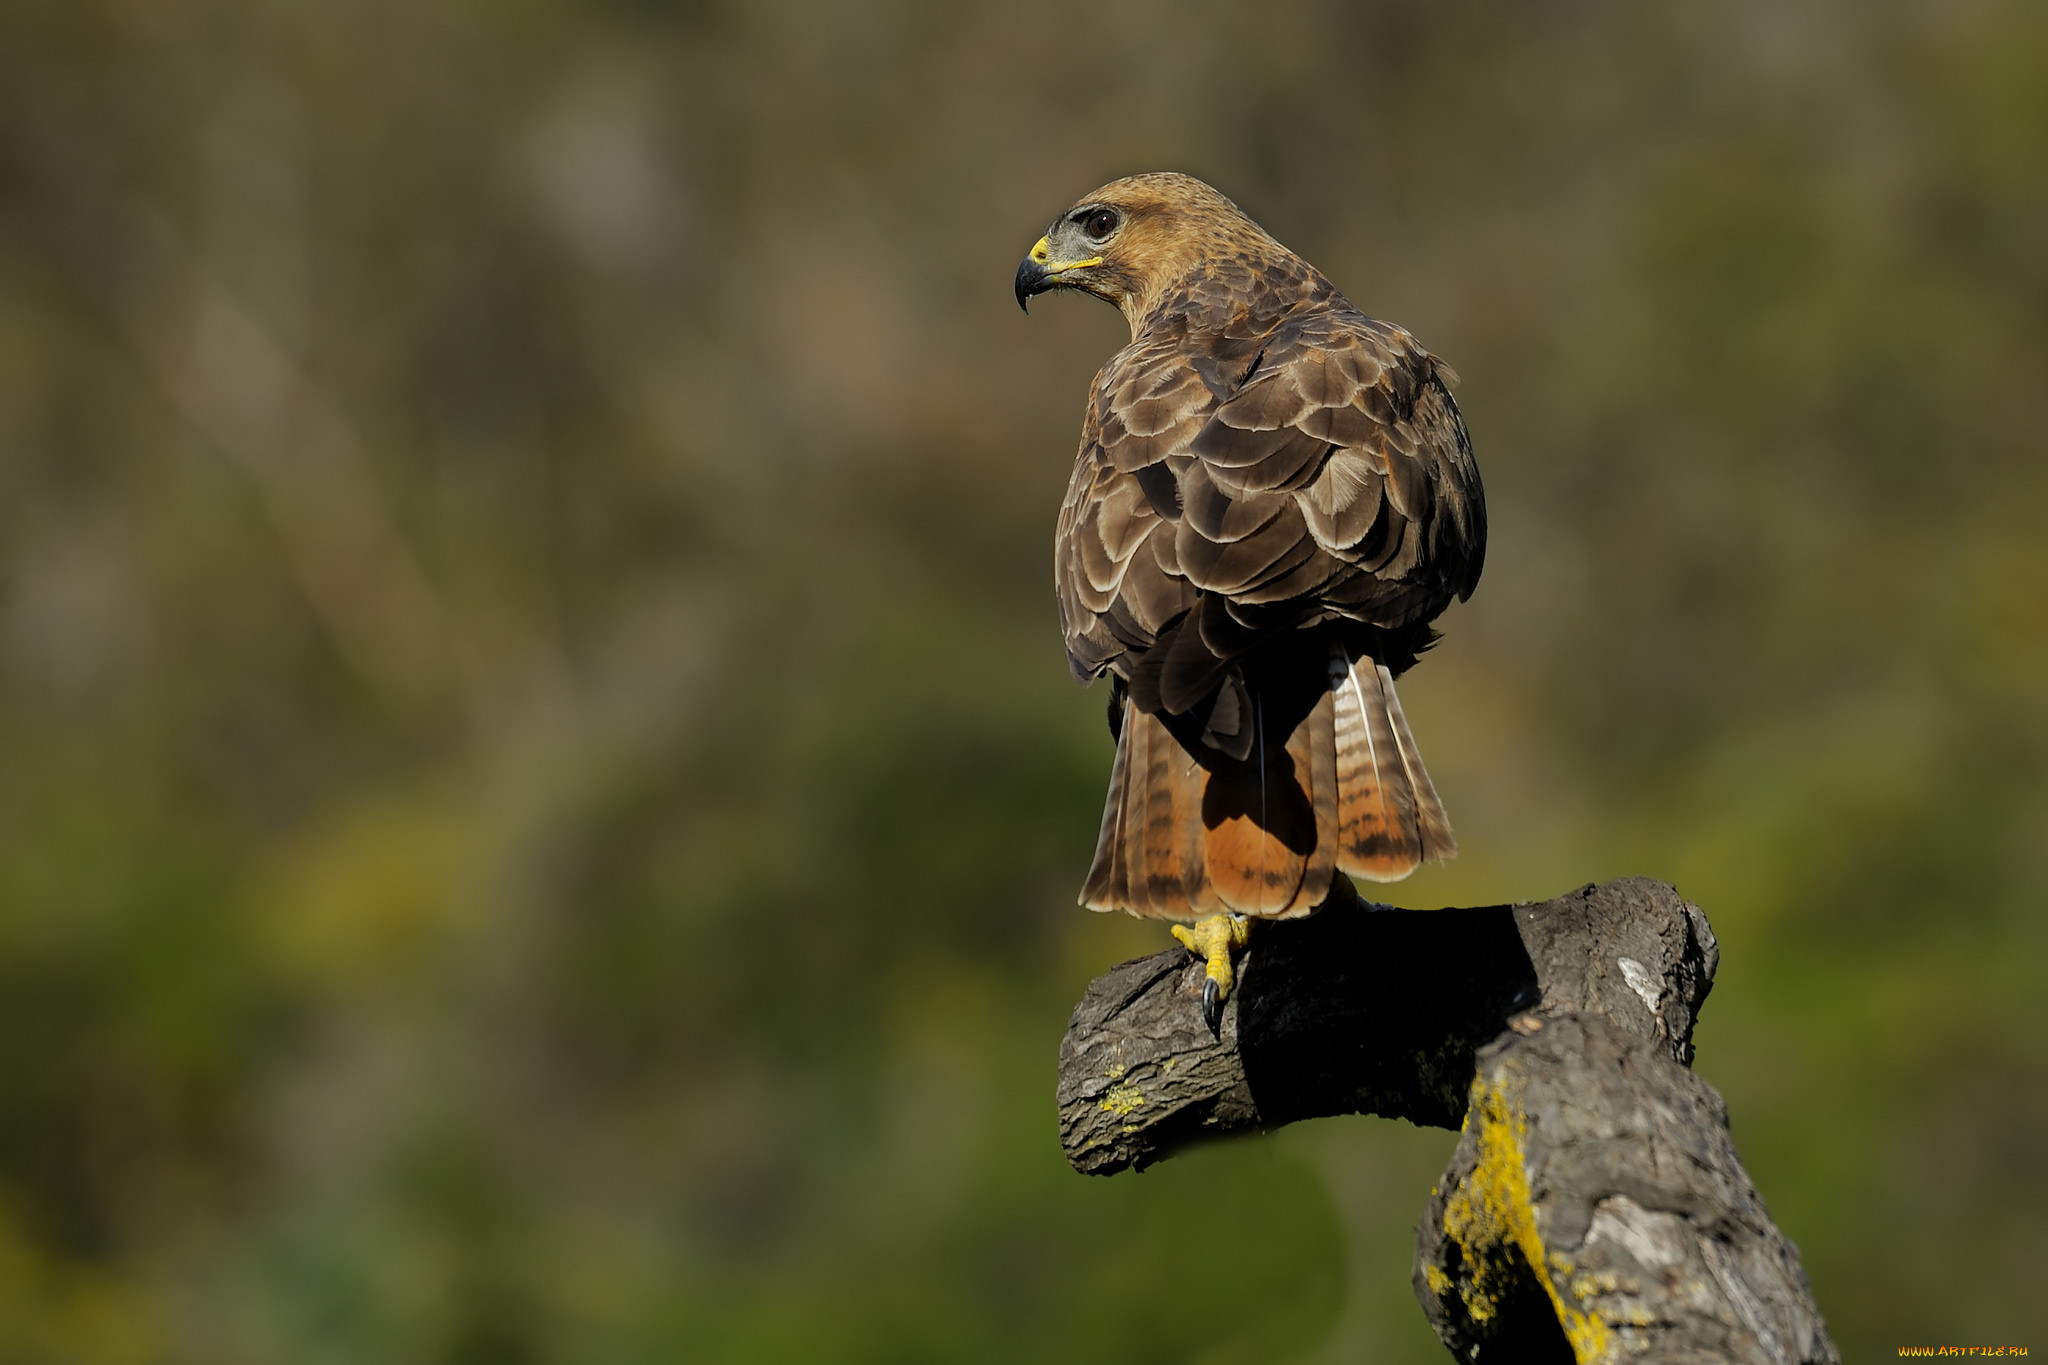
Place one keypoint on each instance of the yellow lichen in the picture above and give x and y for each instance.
(1122, 1100)
(1439, 1283)
(1602, 1282)
(1492, 1211)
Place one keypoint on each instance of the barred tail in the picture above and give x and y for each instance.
(1389, 820)
(1184, 836)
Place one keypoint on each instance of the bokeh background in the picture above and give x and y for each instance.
(540, 800)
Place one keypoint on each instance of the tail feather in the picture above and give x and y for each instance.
(1103, 889)
(1260, 827)
(1389, 819)
(1432, 826)
(1149, 858)
(1155, 867)
(1313, 747)
(1189, 832)
(1369, 818)
(1139, 797)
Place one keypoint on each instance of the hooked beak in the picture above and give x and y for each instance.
(1039, 272)
(1032, 278)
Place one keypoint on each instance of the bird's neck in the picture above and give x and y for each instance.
(1226, 295)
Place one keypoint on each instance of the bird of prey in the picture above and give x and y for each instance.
(1274, 497)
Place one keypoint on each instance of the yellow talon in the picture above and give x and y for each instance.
(1216, 939)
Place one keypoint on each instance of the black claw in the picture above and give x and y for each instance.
(1212, 1005)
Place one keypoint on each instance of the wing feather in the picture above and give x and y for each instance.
(1314, 469)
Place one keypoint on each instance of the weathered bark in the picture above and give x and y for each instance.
(1595, 1208)
(1367, 1011)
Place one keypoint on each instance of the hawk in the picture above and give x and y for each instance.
(1274, 497)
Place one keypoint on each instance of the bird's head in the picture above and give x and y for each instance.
(1127, 242)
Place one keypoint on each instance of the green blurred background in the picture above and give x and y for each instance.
(540, 799)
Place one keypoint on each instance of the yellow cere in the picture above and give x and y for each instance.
(1041, 254)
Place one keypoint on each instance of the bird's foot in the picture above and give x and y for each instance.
(1217, 940)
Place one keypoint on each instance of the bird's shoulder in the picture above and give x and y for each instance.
(1273, 444)
(1234, 322)
(1240, 373)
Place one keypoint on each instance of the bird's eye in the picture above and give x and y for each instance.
(1100, 223)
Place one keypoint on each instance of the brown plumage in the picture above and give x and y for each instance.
(1273, 499)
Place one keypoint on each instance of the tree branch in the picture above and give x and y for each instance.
(1595, 1209)
(1357, 1010)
